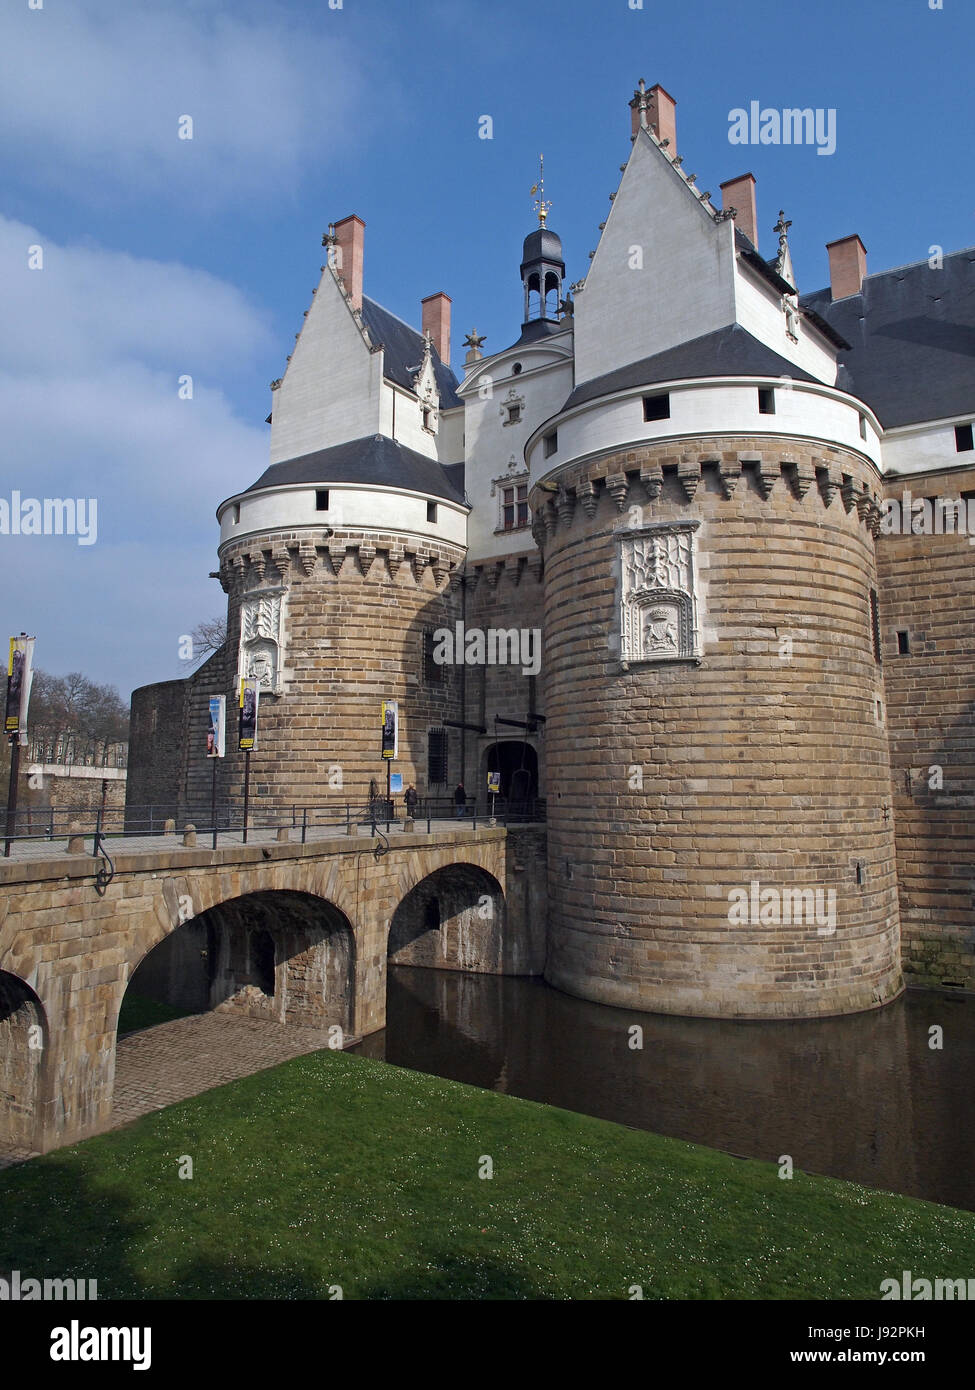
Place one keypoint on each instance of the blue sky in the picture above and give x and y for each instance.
(164, 257)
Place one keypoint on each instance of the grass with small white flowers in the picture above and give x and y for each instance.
(337, 1172)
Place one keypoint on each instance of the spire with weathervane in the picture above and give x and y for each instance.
(540, 205)
(542, 266)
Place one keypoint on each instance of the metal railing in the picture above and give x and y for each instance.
(134, 822)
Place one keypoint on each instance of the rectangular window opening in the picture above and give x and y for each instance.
(657, 407)
(432, 671)
(321, 499)
(903, 644)
(963, 439)
(766, 400)
(550, 443)
(437, 757)
(514, 507)
(431, 511)
(863, 427)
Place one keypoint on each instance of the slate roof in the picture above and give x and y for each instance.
(729, 351)
(373, 459)
(912, 332)
(404, 352)
(765, 268)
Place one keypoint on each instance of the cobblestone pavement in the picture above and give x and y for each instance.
(159, 1066)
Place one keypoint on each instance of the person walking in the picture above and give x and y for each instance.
(460, 800)
(411, 801)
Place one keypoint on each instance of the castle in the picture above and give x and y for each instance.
(717, 498)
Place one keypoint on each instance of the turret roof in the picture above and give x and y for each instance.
(729, 351)
(375, 459)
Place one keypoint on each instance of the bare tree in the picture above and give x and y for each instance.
(73, 719)
(207, 637)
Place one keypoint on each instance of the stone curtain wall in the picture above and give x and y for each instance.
(156, 738)
(503, 593)
(672, 783)
(927, 590)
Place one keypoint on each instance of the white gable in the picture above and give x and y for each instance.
(686, 285)
(331, 391)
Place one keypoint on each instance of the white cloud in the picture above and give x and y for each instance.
(91, 95)
(89, 366)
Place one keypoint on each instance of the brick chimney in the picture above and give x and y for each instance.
(740, 194)
(436, 322)
(847, 266)
(661, 113)
(350, 236)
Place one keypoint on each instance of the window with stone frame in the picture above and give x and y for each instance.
(514, 507)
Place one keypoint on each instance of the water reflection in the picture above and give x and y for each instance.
(863, 1097)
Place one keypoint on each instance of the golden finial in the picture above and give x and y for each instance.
(540, 205)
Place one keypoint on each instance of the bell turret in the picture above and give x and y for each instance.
(542, 266)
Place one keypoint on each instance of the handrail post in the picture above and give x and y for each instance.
(304, 824)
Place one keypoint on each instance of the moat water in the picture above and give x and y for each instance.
(865, 1098)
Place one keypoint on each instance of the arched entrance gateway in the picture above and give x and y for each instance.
(281, 955)
(517, 763)
(23, 1039)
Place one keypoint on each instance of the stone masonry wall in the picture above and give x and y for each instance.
(78, 950)
(927, 588)
(358, 605)
(672, 784)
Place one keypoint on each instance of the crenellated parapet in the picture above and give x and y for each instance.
(377, 557)
(731, 467)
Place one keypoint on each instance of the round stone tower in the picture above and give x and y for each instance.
(719, 802)
(339, 566)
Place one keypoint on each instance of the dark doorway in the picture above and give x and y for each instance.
(518, 765)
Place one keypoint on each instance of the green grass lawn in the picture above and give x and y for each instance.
(138, 1012)
(338, 1170)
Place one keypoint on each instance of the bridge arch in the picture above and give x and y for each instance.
(23, 1068)
(280, 954)
(452, 919)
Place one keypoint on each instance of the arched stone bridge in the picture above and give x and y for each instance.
(298, 933)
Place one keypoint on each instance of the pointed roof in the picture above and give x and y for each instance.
(404, 348)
